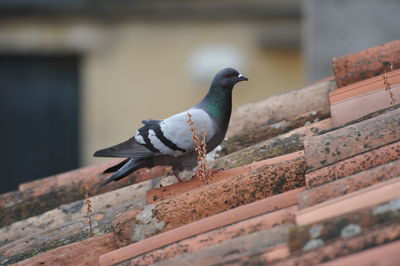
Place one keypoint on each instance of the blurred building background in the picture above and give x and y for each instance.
(79, 75)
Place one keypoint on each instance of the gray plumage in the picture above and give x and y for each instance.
(169, 141)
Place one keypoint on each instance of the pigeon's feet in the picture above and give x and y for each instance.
(176, 174)
(179, 179)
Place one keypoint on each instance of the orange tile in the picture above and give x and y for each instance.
(210, 223)
(308, 237)
(366, 64)
(218, 197)
(372, 195)
(234, 251)
(232, 192)
(166, 192)
(367, 96)
(345, 142)
(267, 257)
(45, 195)
(353, 164)
(385, 255)
(281, 107)
(90, 175)
(363, 87)
(201, 236)
(80, 253)
(289, 142)
(349, 184)
(275, 129)
(344, 246)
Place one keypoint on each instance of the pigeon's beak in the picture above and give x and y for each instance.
(242, 78)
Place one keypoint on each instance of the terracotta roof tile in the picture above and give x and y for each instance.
(281, 107)
(162, 193)
(217, 197)
(232, 192)
(385, 255)
(211, 230)
(350, 140)
(68, 223)
(356, 231)
(249, 214)
(85, 252)
(227, 253)
(311, 236)
(49, 193)
(344, 246)
(266, 257)
(354, 164)
(366, 64)
(200, 241)
(267, 131)
(372, 195)
(349, 184)
(277, 146)
(358, 99)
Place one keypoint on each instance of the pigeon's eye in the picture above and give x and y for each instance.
(228, 75)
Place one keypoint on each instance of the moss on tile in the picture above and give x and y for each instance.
(346, 225)
(270, 130)
(33, 206)
(54, 244)
(271, 148)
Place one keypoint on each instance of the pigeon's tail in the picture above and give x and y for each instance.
(116, 167)
(123, 169)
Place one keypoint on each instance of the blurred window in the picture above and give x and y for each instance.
(38, 117)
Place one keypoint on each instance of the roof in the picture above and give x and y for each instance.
(300, 187)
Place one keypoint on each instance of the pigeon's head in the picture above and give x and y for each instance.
(228, 77)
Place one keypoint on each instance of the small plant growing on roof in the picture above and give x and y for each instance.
(88, 204)
(387, 84)
(202, 171)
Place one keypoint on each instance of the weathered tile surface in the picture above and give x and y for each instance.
(365, 64)
(44, 195)
(376, 236)
(311, 236)
(82, 253)
(212, 199)
(352, 165)
(228, 253)
(281, 108)
(385, 255)
(224, 234)
(280, 145)
(351, 140)
(194, 230)
(349, 184)
(69, 223)
(165, 192)
(264, 132)
(372, 195)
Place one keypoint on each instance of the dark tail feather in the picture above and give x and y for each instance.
(116, 167)
(130, 166)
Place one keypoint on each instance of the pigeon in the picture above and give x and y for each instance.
(169, 141)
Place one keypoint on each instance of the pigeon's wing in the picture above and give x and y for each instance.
(126, 149)
(171, 136)
(138, 146)
(175, 136)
